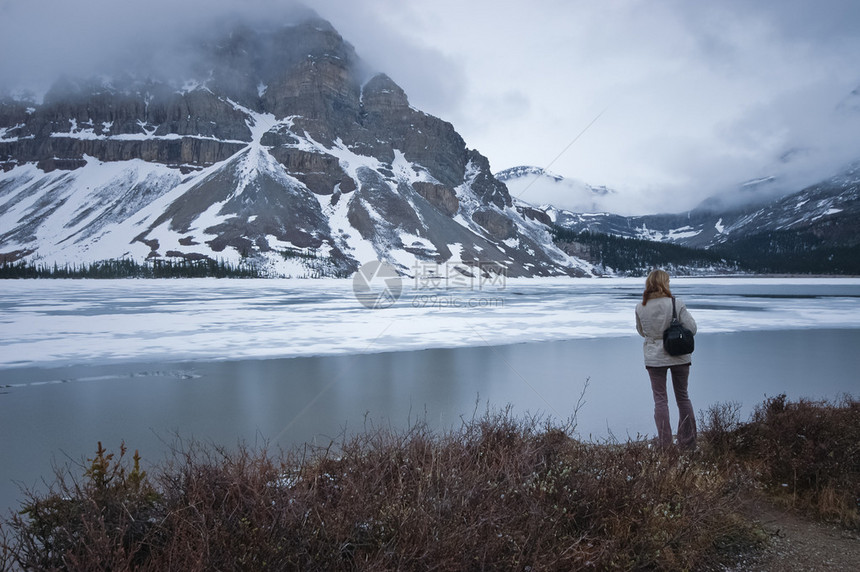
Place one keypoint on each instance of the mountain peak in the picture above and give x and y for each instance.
(538, 186)
(269, 147)
(381, 93)
(523, 171)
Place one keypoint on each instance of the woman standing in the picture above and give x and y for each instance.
(653, 316)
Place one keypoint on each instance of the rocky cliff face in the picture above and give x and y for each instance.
(275, 148)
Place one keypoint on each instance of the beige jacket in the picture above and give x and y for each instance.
(652, 320)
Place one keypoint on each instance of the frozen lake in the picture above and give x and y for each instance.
(298, 361)
(62, 322)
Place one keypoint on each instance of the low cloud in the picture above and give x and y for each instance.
(699, 97)
(43, 40)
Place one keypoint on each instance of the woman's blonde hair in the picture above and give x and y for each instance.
(656, 286)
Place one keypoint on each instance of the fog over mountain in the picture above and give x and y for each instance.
(697, 98)
(266, 145)
(159, 39)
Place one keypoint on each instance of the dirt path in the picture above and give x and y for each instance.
(798, 543)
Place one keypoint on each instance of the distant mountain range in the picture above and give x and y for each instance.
(829, 210)
(816, 229)
(276, 150)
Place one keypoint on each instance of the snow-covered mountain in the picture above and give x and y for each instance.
(277, 149)
(538, 186)
(829, 211)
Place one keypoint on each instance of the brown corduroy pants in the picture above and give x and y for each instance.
(687, 419)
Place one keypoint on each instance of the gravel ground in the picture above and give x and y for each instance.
(798, 543)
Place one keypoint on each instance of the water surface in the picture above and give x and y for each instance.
(290, 362)
(63, 412)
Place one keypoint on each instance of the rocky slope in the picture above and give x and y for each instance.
(277, 148)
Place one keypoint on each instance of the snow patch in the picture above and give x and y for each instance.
(415, 241)
(209, 218)
(348, 160)
(5, 130)
(408, 172)
(189, 86)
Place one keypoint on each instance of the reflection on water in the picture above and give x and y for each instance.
(64, 412)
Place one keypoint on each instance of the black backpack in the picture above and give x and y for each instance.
(677, 340)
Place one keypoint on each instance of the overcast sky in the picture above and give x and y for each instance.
(691, 98)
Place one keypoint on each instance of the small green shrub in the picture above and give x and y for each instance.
(102, 522)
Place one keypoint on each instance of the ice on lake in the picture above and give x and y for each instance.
(44, 322)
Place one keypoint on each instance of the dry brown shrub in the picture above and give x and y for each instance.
(497, 493)
(806, 453)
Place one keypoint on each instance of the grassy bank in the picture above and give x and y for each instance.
(498, 493)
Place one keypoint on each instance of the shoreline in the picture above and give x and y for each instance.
(186, 362)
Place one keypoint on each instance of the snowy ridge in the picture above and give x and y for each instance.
(829, 207)
(108, 210)
(524, 171)
(270, 148)
(87, 208)
(540, 187)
